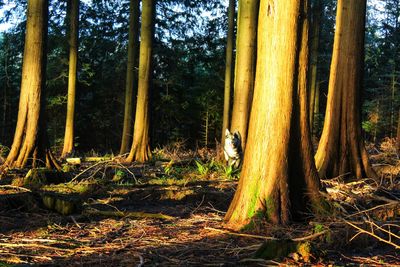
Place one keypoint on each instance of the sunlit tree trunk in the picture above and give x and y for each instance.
(131, 75)
(341, 149)
(313, 82)
(279, 181)
(228, 68)
(29, 138)
(140, 150)
(73, 21)
(244, 66)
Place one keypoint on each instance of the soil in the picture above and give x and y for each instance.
(33, 235)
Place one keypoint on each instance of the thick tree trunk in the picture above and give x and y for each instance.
(341, 149)
(228, 69)
(26, 137)
(244, 66)
(73, 21)
(131, 75)
(279, 180)
(140, 150)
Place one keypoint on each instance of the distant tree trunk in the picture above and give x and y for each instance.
(392, 100)
(313, 83)
(131, 74)
(73, 22)
(341, 149)
(29, 135)
(4, 117)
(279, 181)
(398, 134)
(244, 66)
(228, 69)
(140, 150)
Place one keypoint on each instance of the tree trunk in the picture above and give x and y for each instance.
(228, 69)
(244, 66)
(279, 180)
(316, 20)
(140, 150)
(398, 134)
(341, 149)
(73, 21)
(25, 136)
(131, 74)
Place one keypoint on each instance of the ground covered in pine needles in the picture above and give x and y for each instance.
(170, 212)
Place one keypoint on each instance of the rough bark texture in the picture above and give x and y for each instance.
(29, 135)
(140, 150)
(279, 180)
(228, 69)
(73, 21)
(341, 149)
(244, 66)
(131, 75)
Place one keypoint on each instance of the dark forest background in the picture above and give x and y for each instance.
(189, 54)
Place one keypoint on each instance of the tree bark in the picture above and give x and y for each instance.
(315, 29)
(131, 75)
(341, 149)
(73, 21)
(398, 134)
(244, 66)
(26, 143)
(228, 69)
(140, 150)
(279, 181)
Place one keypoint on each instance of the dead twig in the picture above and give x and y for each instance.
(361, 230)
(130, 214)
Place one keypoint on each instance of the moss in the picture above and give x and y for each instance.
(40, 176)
(64, 207)
(304, 249)
(48, 201)
(322, 207)
(275, 249)
(176, 194)
(70, 188)
(270, 207)
(278, 249)
(252, 206)
(250, 226)
(168, 181)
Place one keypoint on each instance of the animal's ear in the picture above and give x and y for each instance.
(237, 135)
(227, 132)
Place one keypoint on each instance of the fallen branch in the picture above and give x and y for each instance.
(298, 239)
(33, 246)
(131, 214)
(16, 187)
(361, 230)
(89, 168)
(239, 234)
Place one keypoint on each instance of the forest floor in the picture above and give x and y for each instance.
(170, 213)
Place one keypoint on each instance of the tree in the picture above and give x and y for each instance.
(131, 74)
(341, 148)
(30, 136)
(279, 180)
(140, 150)
(73, 22)
(313, 82)
(228, 68)
(244, 66)
(398, 134)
